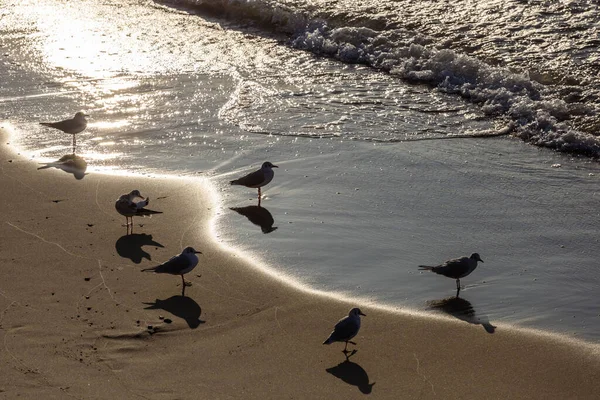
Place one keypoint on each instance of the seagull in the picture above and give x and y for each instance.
(346, 328)
(178, 265)
(132, 204)
(456, 268)
(71, 126)
(258, 178)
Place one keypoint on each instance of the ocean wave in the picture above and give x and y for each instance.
(540, 111)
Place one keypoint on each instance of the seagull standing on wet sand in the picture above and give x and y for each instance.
(178, 265)
(132, 204)
(71, 126)
(456, 268)
(346, 329)
(257, 179)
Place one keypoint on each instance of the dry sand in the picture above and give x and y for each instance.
(79, 320)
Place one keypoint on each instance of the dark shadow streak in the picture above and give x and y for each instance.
(258, 216)
(180, 306)
(130, 246)
(353, 374)
(461, 309)
(71, 164)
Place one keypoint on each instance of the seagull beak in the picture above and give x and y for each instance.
(274, 166)
(197, 252)
(480, 260)
(360, 313)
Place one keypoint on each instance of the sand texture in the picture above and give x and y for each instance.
(79, 320)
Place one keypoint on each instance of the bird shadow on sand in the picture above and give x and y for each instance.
(70, 163)
(353, 374)
(180, 306)
(259, 216)
(462, 309)
(130, 246)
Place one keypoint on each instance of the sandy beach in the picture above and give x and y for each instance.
(79, 319)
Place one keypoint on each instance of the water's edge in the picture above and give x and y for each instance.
(253, 260)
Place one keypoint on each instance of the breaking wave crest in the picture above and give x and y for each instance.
(557, 113)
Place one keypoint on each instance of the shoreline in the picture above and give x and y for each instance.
(271, 272)
(239, 332)
(402, 225)
(402, 311)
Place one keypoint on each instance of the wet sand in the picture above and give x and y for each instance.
(78, 319)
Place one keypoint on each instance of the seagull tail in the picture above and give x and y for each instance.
(329, 340)
(234, 182)
(50, 124)
(425, 268)
(152, 269)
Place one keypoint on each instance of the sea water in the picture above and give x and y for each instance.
(405, 132)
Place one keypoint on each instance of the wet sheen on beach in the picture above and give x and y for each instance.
(371, 182)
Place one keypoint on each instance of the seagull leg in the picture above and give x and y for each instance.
(74, 143)
(184, 282)
(345, 348)
(259, 196)
(457, 287)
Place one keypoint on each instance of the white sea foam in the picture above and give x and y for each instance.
(538, 115)
(545, 115)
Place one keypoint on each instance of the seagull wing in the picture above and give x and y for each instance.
(68, 125)
(344, 330)
(142, 212)
(176, 265)
(126, 208)
(453, 268)
(62, 125)
(255, 178)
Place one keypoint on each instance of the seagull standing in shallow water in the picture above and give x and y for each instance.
(456, 268)
(71, 126)
(346, 329)
(132, 204)
(178, 265)
(257, 179)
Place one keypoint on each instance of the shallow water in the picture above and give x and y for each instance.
(371, 182)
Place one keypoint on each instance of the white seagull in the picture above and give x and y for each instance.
(71, 126)
(132, 204)
(257, 179)
(346, 328)
(178, 265)
(456, 268)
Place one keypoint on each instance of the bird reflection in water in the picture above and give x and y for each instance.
(258, 216)
(462, 309)
(71, 164)
(353, 374)
(180, 306)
